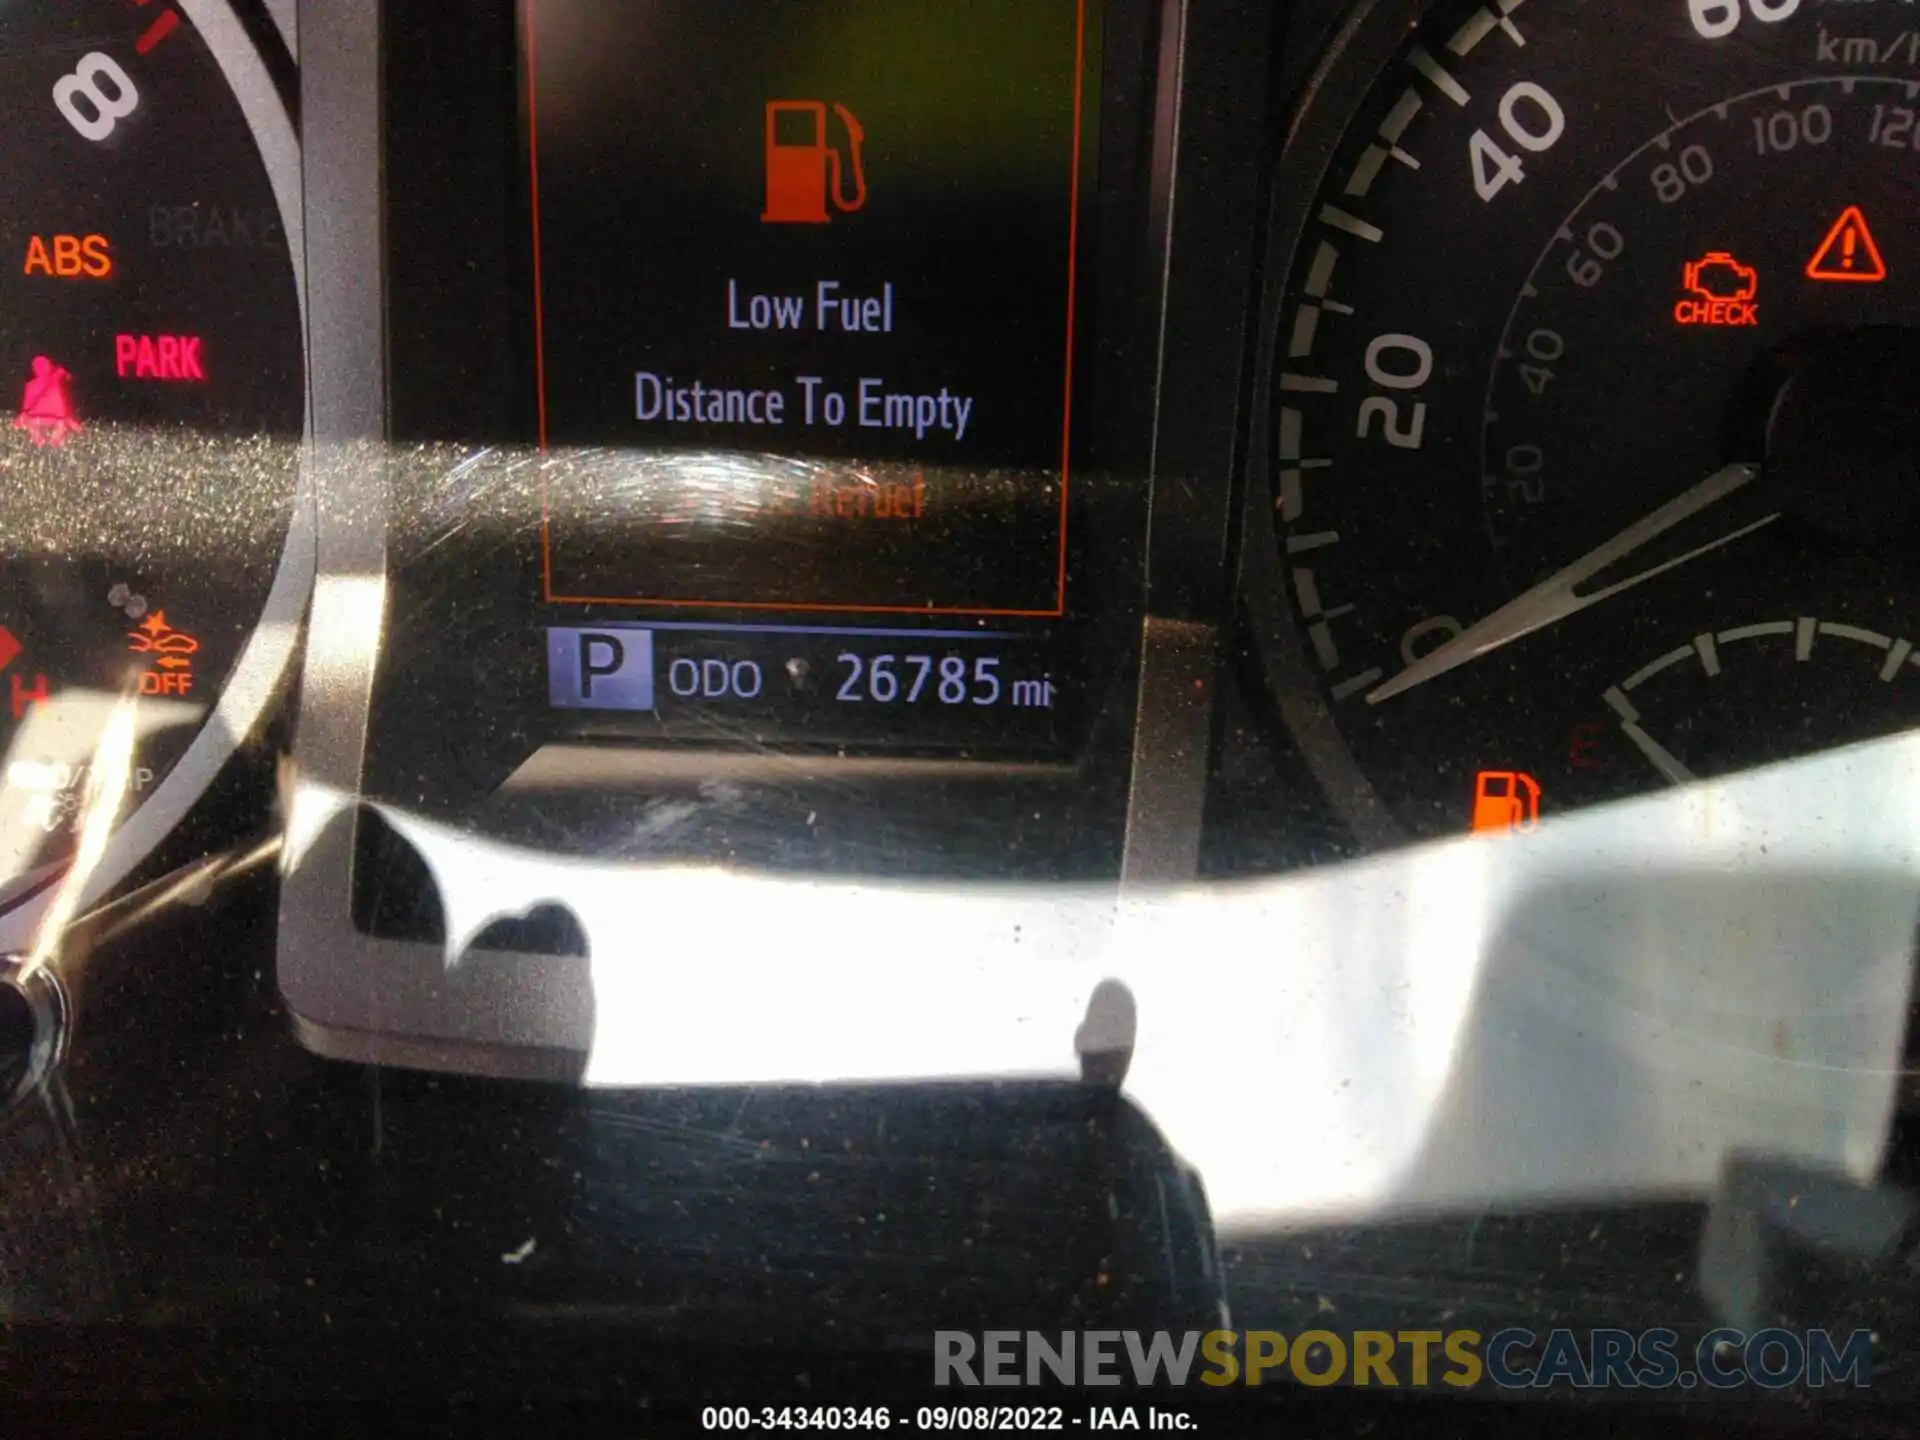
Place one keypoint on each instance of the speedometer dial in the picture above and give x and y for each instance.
(1592, 401)
(151, 368)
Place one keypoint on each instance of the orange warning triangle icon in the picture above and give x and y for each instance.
(1848, 253)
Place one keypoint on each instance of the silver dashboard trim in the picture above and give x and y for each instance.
(286, 21)
(603, 768)
(341, 118)
(1172, 739)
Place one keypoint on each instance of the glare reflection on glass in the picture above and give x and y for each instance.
(109, 780)
(1610, 1003)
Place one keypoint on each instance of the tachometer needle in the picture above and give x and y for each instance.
(1558, 596)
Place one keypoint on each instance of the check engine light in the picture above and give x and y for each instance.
(1721, 292)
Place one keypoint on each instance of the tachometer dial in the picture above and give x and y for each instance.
(151, 368)
(1593, 425)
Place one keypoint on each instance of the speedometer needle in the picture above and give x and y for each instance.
(1558, 596)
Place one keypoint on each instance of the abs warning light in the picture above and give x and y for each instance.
(1720, 291)
(1848, 254)
(71, 257)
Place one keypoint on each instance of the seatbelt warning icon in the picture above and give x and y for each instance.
(46, 407)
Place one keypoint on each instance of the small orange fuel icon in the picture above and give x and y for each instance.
(803, 171)
(1505, 800)
(172, 651)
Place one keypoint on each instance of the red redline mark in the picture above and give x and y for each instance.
(162, 26)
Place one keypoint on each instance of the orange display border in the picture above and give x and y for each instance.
(1066, 416)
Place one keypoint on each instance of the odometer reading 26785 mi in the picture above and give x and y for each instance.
(1594, 402)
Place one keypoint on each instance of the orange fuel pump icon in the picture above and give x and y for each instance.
(803, 173)
(1505, 800)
